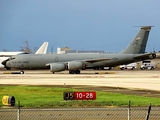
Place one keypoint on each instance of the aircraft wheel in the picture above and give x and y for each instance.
(133, 68)
(7, 68)
(77, 72)
(110, 68)
(71, 71)
(122, 68)
(21, 72)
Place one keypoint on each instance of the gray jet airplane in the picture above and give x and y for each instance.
(74, 62)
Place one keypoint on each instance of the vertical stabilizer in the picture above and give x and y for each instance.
(42, 49)
(138, 44)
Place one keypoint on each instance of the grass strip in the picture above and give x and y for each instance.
(47, 97)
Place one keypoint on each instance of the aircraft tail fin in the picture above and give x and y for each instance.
(42, 49)
(138, 44)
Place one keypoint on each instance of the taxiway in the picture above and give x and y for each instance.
(139, 80)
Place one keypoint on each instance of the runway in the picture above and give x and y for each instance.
(130, 79)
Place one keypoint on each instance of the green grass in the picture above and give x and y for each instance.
(35, 97)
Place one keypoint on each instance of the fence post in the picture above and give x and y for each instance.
(18, 112)
(149, 110)
(129, 109)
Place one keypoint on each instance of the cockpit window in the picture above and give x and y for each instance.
(11, 58)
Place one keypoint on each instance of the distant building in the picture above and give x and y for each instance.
(62, 50)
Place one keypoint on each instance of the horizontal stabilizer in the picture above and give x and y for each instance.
(145, 56)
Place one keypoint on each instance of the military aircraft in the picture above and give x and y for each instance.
(74, 62)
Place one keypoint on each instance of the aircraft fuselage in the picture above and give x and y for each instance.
(31, 61)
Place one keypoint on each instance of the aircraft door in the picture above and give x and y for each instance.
(56, 59)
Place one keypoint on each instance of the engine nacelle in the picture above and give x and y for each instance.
(152, 56)
(75, 65)
(56, 67)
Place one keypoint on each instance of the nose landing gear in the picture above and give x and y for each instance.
(21, 72)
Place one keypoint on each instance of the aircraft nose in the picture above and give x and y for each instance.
(4, 62)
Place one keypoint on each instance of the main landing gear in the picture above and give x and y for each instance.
(21, 72)
(74, 71)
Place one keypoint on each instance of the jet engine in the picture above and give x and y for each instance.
(152, 56)
(75, 65)
(56, 67)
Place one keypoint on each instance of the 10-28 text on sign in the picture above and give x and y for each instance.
(79, 95)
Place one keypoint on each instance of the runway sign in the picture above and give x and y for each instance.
(79, 95)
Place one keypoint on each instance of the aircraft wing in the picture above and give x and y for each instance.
(144, 56)
(73, 65)
(95, 60)
(89, 60)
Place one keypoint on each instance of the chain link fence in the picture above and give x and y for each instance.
(142, 113)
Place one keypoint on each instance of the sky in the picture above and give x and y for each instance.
(107, 25)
